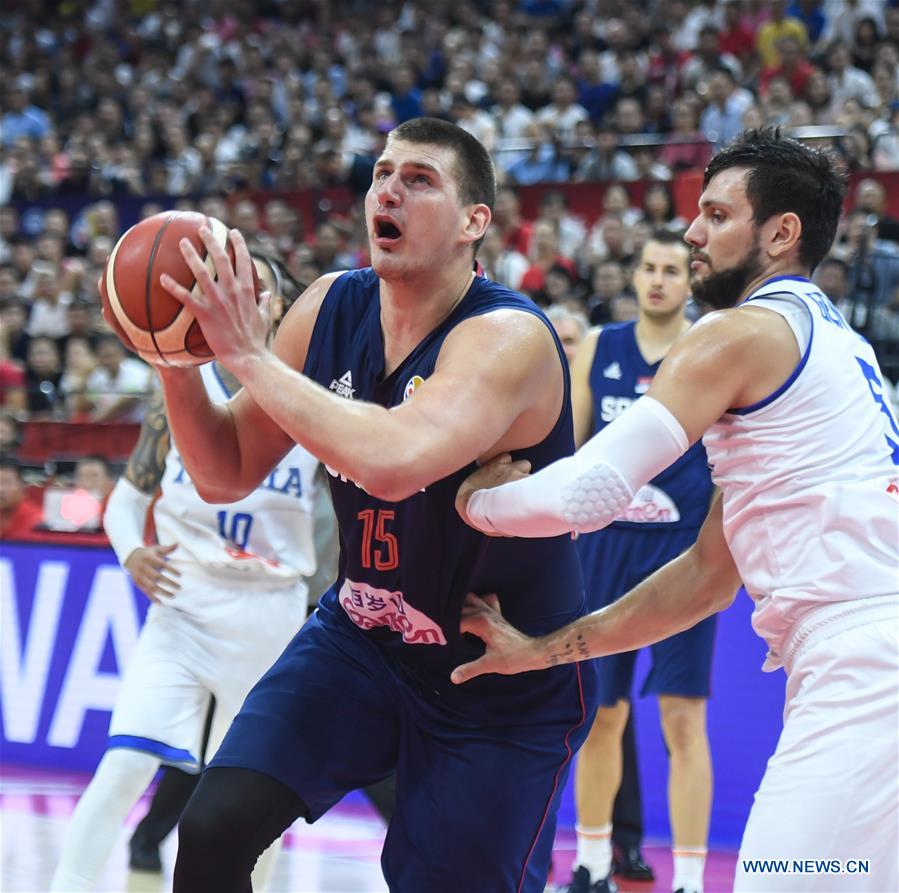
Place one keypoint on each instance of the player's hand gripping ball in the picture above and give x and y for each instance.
(148, 320)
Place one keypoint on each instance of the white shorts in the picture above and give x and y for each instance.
(830, 793)
(220, 642)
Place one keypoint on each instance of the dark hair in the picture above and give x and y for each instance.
(474, 169)
(12, 463)
(666, 237)
(663, 186)
(786, 176)
(99, 460)
(289, 288)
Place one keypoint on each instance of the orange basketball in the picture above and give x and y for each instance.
(146, 317)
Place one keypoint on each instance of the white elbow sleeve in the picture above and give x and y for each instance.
(588, 490)
(125, 518)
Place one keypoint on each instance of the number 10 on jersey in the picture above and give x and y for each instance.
(379, 547)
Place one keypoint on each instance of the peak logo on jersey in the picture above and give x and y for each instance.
(411, 385)
(369, 607)
(613, 370)
(343, 386)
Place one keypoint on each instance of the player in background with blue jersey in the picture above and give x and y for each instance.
(400, 378)
(614, 367)
(804, 448)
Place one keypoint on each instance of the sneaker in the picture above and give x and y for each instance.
(628, 862)
(580, 883)
(144, 855)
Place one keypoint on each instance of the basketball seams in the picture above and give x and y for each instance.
(175, 343)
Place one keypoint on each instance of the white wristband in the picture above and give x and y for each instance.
(125, 518)
(588, 490)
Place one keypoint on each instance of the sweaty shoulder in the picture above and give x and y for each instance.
(292, 341)
(749, 350)
(510, 353)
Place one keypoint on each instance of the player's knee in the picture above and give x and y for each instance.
(684, 723)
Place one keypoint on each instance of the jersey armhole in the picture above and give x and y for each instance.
(802, 326)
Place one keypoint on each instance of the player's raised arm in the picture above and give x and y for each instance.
(688, 589)
(722, 362)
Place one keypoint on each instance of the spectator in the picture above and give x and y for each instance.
(544, 254)
(559, 117)
(18, 515)
(94, 474)
(513, 120)
(43, 372)
(50, 307)
(811, 15)
(10, 433)
(722, 118)
(870, 198)
(13, 396)
(794, 67)
(507, 217)
(570, 326)
(606, 161)
(80, 362)
(22, 118)
(846, 81)
(737, 38)
(608, 283)
(686, 148)
(13, 328)
(594, 94)
(864, 43)
(778, 26)
(570, 228)
(708, 58)
(659, 210)
(116, 389)
(501, 264)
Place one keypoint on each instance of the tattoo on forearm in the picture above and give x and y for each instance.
(147, 462)
(572, 649)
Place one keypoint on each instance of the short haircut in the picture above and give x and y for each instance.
(11, 463)
(474, 172)
(667, 237)
(786, 176)
(97, 459)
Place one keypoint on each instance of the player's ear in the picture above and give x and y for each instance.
(785, 233)
(478, 220)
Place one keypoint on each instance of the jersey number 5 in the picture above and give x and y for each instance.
(373, 530)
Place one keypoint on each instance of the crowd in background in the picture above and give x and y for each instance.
(194, 105)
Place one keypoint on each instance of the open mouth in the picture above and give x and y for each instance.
(386, 230)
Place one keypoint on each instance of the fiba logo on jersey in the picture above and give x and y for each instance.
(411, 385)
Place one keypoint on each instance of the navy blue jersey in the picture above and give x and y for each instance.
(680, 495)
(405, 567)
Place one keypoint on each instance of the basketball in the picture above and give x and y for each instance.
(148, 320)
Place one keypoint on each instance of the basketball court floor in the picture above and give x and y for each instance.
(338, 854)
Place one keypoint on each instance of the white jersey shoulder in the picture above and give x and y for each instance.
(809, 474)
(266, 535)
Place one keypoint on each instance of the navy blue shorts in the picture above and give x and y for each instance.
(615, 560)
(476, 798)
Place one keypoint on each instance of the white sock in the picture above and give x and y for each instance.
(122, 776)
(594, 850)
(689, 865)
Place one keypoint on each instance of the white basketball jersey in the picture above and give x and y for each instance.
(265, 535)
(809, 476)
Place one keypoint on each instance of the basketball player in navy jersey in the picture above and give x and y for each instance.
(400, 377)
(804, 446)
(613, 368)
